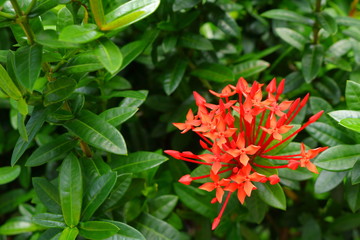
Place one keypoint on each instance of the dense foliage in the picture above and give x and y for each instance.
(90, 91)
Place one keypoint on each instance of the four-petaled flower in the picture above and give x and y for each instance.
(237, 133)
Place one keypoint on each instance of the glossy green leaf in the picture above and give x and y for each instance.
(59, 90)
(352, 95)
(250, 68)
(9, 174)
(85, 62)
(195, 41)
(257, 208)
(356, 49)
(339, 158)
(137, 162)
(97, 193)
(118, 115)
(64, 18)
(340, 48)
(175, 76)
(351, 123)
(50, 234)
(121, 186)
(160, 207)
(353, 32)
(328, 135)
(347, 21)
(342, 114)
(129, 13)
(327, 181)
(299, 174)
(49, 220)
(47, 193)
(109, 55)
(8, 86)
(18, 225)
(97, 132)
(213, 72)
(52, 151)
(126, 232)
(154, 228)
(42, 7)
(225, 22)
(28, 65)
(69, 233)
(287, 15)
(271, 194)
(318, 104)
(50, 38)
(34, 124)
(327, 22)
(94, 167)
(80, 34)
(71, 190)
(10, 200)
(196, 199)
(134, 102)
(352, 196)
(312, 62)
(355, 173)
(97, 229)
(329, 88)
(292, 37)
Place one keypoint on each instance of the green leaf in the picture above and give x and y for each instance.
(175, 76)
(97, 132)
(353, 32)
(69, 234)
(351, 123)
(340, 48)
(180, 5)
(131, 51)
(84, 62)
(195, 41)
(342, 114)
(28, 65)
(312, 62)
(355, 173)
(328, 135)
(47, 193)
(9, 201)
(213, 72)
(137, 162)
(9, 174)
(287, 15)
(129, 13)
(327, 22)
(292, 37)
(328, 180)
(356, 50)
(34, 124)
(345, 222)
(352, 196)
(97, 229)
(299, 174)
(8, 86)
(50, 38)
(154, 228)
(271, 194)
(352, 95)
(339, 158)
(42, 7)
(257, 208)
(196, 199)
(109, 55)
(347, 21)
(18, 225)
(118, 115)
(329, 89)
(224, 22)
(125, 232)
(51, 151)
(59, 90)
(122, 184)
(64, 18)
(250, 68)
(49, 220)
(318, 104)
(97, 193)
(71, 190)
(80, 34)
(160, 207)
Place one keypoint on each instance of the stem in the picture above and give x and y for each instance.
(23, 21)
(7, 15)
(86, 149)
(31, 6)
(17, 8)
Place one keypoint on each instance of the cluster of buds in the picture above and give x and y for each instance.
(244, 127)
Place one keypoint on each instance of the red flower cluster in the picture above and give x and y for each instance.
(236, 133)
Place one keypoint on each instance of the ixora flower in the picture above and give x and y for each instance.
(242, 129)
